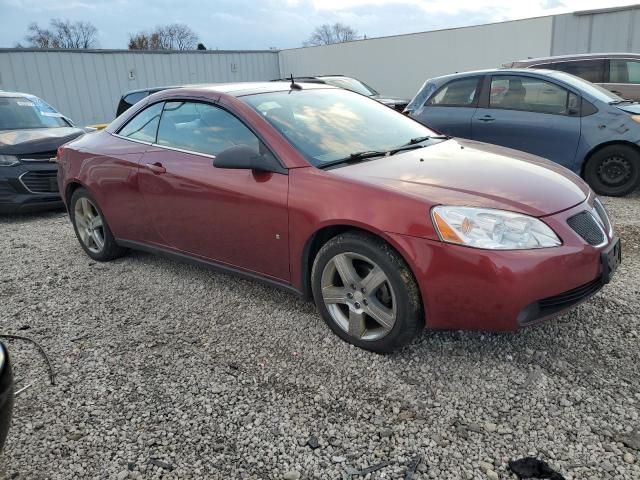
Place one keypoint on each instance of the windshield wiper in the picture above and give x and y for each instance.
(355, 158)
(415, 143)
(618, 102)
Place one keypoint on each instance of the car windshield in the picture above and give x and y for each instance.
(350, 84)
(17, 113)
(330, 124)
(587, 87)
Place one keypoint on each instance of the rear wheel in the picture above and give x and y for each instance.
(91, 228)
(366, 293)
(613, 170)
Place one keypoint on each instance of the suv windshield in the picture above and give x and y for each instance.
(350, 84)
(330, 124)
(17, 113)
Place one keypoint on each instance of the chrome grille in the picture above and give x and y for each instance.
(40, 181)
(602, 213)
(38, 157)
(585, 225)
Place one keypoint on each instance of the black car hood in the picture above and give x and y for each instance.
(390, 100)
(36, 140)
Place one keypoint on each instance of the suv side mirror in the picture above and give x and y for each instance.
(245, 157)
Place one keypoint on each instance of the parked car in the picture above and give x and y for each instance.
(555, 115)
(132, 97)
(353, 84)
(30, 133)
(386, 224)
(6, 394)
(617, 72)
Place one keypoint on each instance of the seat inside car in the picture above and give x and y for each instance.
(515, 95)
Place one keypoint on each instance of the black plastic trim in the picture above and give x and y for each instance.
(207, 263)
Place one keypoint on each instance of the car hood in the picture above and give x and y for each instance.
(464, 172)
(36, 140)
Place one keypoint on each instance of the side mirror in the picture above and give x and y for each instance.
(6, 394)
(246, 158)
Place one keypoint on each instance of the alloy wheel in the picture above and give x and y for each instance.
(89, 224)
(359, 296)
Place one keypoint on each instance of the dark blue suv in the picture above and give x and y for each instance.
(554, 115)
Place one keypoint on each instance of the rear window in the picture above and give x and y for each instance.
(17, 113)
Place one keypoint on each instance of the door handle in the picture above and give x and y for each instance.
(486, 118)
(156, 168)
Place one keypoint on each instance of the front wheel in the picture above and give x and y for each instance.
(614, 170)
(91, 228)
(366, 293)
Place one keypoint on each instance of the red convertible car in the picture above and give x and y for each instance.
(387, 225)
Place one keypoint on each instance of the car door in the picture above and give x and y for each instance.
(624, 78)
(235, 217)
(530, 114)
(450, 109)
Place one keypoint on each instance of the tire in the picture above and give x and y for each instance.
(613, 170)
(379, 311)
(94, 236)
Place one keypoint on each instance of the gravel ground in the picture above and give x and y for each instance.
(174, 371)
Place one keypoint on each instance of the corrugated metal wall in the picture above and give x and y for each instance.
(399, 65)
(86, 86)
(597, 31)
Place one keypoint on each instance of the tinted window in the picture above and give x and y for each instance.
(330, 124)
(200, 127)
(18, 113)
(528, 94)
(456, 93)
(133, 98)
(624, 71)
(590, 70)
(144, 125)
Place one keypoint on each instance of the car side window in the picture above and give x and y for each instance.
(624, 71)
(457, 93)
(529, 94)
(144, 125)
(590, 70)
(202, 128)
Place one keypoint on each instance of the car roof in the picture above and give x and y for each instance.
(488, 71)
(5, 94)
(239, 89)
(577, 56)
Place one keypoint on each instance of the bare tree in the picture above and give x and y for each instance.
(176, 36)
(62, 34)
(327, 34)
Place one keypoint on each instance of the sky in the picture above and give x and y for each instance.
(263, 24)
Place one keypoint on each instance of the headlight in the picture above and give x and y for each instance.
(492, 229)
(635, 118)
(8, 161)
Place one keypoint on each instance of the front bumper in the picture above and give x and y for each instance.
(472, 289)
(29, 187)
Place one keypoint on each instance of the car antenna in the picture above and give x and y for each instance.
(294, 85)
